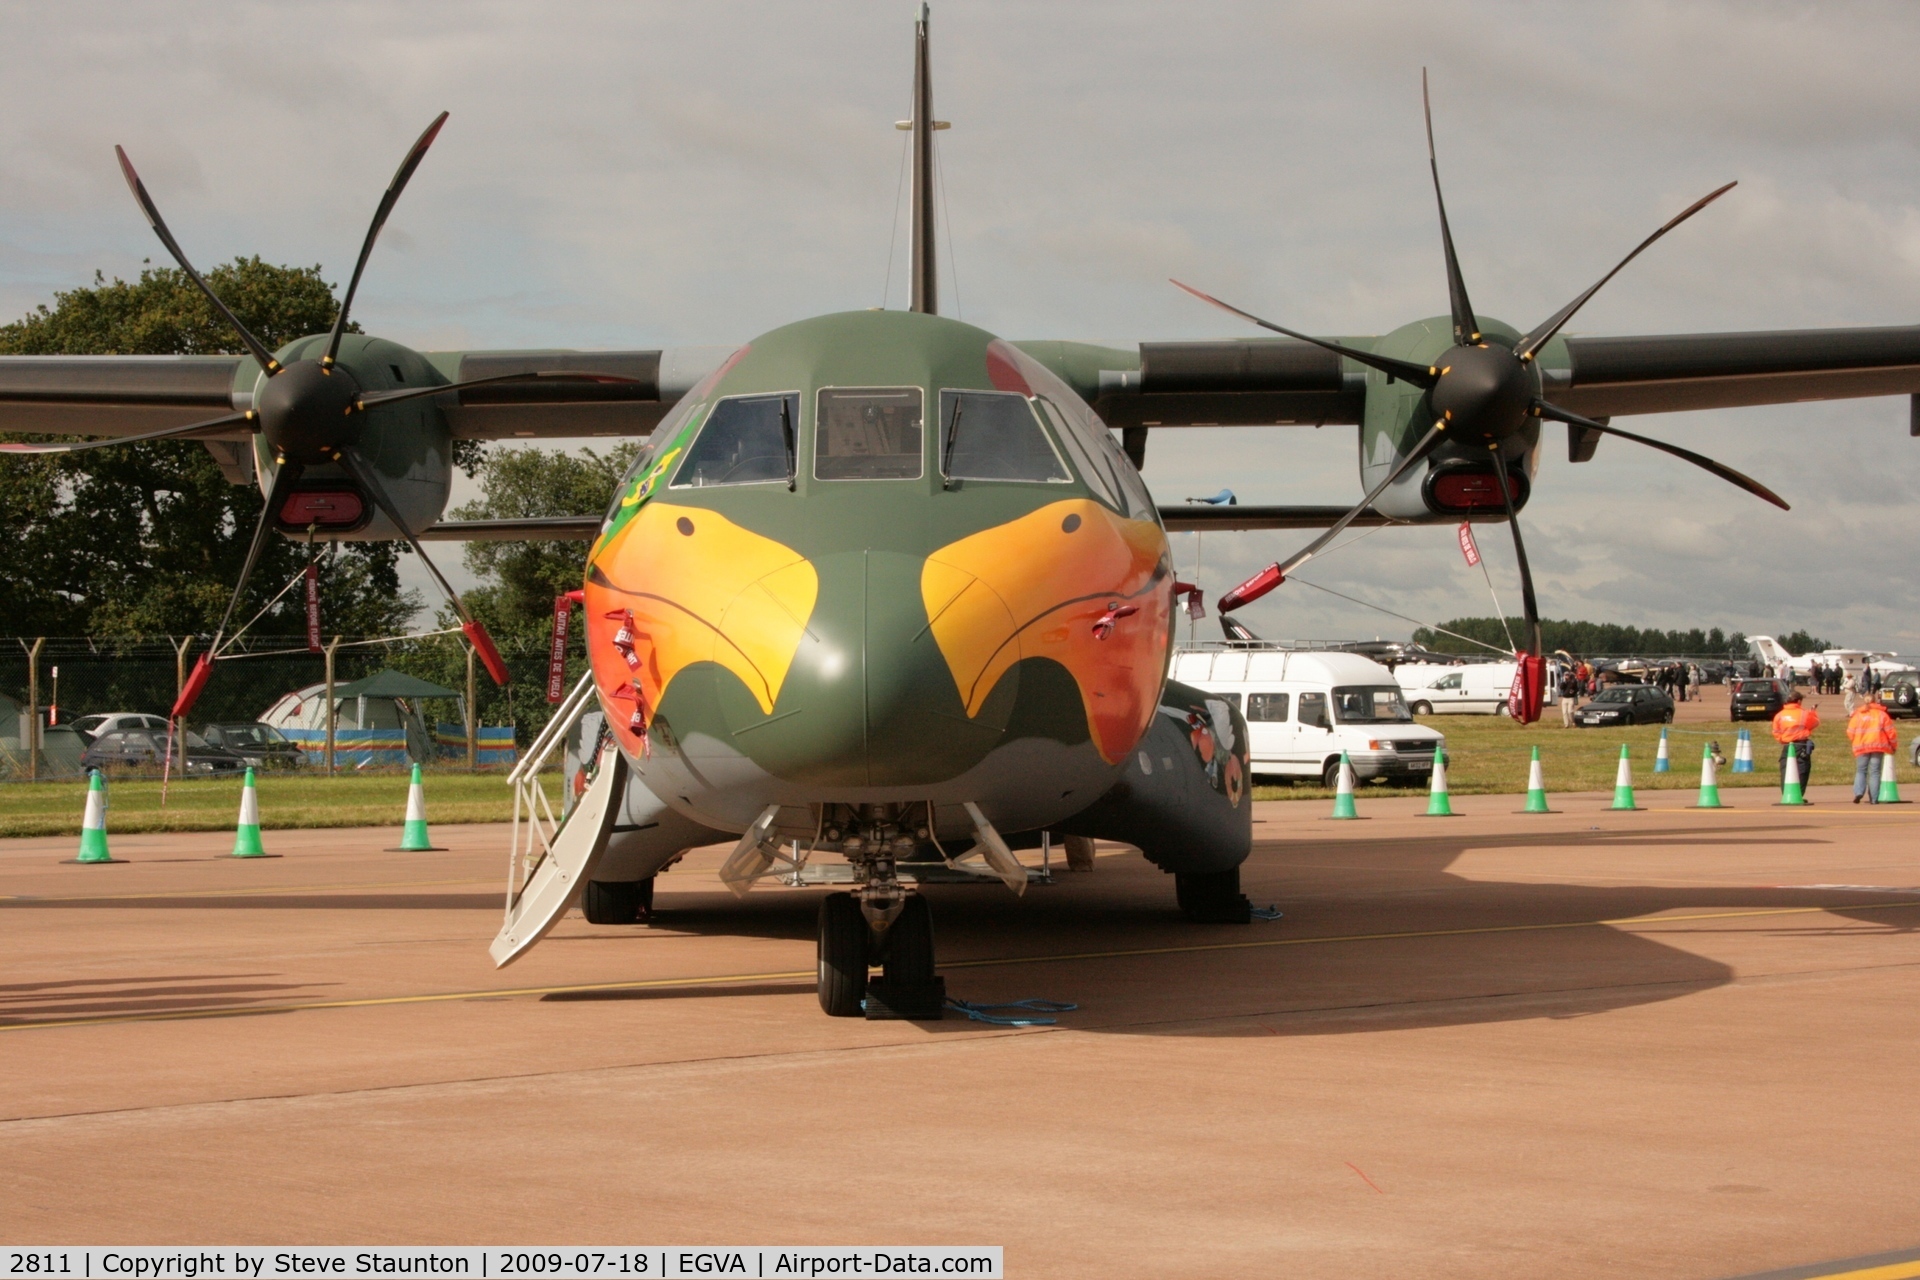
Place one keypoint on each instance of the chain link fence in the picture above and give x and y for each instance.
(57, 680)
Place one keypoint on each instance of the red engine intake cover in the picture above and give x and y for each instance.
(331, 509)
(1462, 492)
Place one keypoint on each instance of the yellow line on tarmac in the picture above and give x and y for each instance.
(258, 891)
(1891, 1271)
(795, 975)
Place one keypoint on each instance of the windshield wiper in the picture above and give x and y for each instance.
(786, 430)
(953, 434)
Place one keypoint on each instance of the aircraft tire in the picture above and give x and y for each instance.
(909, 961)
(1213, 898)
(844, 951)
(615, 901)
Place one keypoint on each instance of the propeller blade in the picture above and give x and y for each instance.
(1543, 409)
(1528, 606)
(283, 481)
(1466, 328)
(1419, 375)
(1414, 455)
(387, 201)
(154, 220)
(475, 630)
(192, 431)
(378, 398)
(1531, 344)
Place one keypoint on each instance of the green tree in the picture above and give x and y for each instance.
(1585, 638)
(148, 539)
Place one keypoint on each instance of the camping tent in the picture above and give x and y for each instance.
(378, 718)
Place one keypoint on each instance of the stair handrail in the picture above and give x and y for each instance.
(534, 821)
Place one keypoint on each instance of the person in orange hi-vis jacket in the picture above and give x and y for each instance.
(1793, 730)
(1870, 730)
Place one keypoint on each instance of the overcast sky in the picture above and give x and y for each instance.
(635, 175)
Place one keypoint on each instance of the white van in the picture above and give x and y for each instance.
(1478, 688)
(1304, 707)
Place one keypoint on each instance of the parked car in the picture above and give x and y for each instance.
(1479, 688)
(91, 727)
(1761, 699)
(1900, 692)
(1626, 704)
(145, 749)
(261, 746)
(1304, 708)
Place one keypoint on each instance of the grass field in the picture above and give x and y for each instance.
(286, 800)
(1488, 755)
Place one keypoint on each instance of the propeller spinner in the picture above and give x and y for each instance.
(1479, 392)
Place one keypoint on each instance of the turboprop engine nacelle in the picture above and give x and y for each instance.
(406, 447)
(1458, 480)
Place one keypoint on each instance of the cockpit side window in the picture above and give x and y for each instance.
(744, 441)
(1100, 462)
(868, 433)
(994, 435)
(1095, 476)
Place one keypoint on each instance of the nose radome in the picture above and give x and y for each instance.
(868, 700)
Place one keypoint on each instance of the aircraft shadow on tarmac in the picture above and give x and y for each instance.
(1377, 934)
(1469, 950)
(30, 1002)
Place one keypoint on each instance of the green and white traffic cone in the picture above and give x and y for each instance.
(1662, 763)
(1536, 787)
(1709, 781)
(1791, 792)
(1889, 789)
(1343, 790)
(93, 825)
(413, 837)
(1623, 783)
(246, 833)
(1439, 804)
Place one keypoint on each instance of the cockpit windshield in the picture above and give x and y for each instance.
(745, 441)
(994, 435)
(868, 433)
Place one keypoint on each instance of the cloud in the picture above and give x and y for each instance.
(647, 173)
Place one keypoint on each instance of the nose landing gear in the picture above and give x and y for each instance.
(853, 939)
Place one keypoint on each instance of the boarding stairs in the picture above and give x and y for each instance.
(552, 856)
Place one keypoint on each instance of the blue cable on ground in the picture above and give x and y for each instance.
(1267, 913)
(983, 1012)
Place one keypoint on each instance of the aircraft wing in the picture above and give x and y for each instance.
(1283, 382)
(110, 396)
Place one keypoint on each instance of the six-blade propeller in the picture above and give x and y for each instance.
(311, 412)
(1479, 392)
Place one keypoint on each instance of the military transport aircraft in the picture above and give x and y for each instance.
(883, 585)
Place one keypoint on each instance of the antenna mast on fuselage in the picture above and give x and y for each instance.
(925, 267)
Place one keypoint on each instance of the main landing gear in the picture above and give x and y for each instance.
(617, 901)
(851, 943)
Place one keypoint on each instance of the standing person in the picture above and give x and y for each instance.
(1569, 694)
(1870, 730)
(1793, 730)
(1680, 681)
(1850, 687)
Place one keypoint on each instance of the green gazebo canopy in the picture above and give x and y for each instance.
(391, 684)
